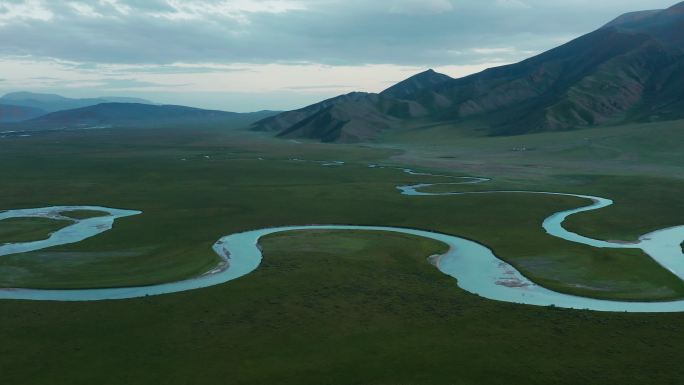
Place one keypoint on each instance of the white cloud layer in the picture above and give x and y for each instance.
(174, 49)
(309, 80)
(411, 7)
(18, 12)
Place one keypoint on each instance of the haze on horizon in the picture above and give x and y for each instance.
(247, 55)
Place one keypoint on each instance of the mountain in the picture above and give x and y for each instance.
(415, 83)
(53, 102)
(354, 117)
(10, 113)
(631, 69)
(114, 115)
(632, 17)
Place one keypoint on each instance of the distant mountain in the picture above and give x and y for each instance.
(53, 102)
(410, 86)
(360, 118)
(631, 69)
(353, 117)
(114, 115)
(632, 17)
(9, 113)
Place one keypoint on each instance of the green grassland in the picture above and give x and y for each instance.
(190, 200)
(333, 307)
(14, 230)
(652, 149)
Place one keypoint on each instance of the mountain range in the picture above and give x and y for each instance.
(52, 102)
(10, 113)
(143, 115)
(23, 106)
(24, 111)
(631, 69)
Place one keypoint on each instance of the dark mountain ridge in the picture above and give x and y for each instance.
(415, 83)
(353, 117)
(54, 102)
(113, 115)
(631, 69)
(11, 113)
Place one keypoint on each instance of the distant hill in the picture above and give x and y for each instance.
(53, 102)
(631, 69)
(113, 115)
(410, 86)
(9, 113)
(357, 116)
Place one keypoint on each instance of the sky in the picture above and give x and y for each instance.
(249, 55)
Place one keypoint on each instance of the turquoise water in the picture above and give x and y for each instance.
(76, 232)
(475, 267)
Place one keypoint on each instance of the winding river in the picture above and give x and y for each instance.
(475, 267)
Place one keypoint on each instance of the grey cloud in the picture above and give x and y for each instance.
(351, 32)
(175, 69)
(122, 83)
(106, 83)
(159, 69)
(319, 87)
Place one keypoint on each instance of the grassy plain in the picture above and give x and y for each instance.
(193, 193)
(334, 308)
(329, 307)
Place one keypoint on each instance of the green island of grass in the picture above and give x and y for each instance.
(15, 230)
(83, 214)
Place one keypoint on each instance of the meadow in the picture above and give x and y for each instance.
(332, 307)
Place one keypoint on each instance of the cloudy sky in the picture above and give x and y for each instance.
(244, 55)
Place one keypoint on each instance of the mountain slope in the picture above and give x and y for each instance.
(351, 121)
(10, 113)
(53, 102)
(631, 17)
(353, 117)
(611, 75)
(595, 79)
(631, 69)
(348, 118)
(415, 83)
(290, 118)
